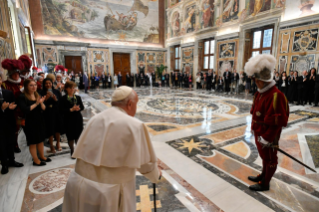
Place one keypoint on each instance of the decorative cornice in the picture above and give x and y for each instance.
(304, 21)
(96, 45)
(229, 36)
(184, 45)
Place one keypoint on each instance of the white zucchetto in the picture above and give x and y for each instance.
(121, 93)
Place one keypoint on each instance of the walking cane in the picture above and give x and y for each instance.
(154, 193)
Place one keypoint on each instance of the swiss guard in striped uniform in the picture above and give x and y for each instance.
(270, 112)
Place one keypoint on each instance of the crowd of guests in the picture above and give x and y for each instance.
(298, 89)
(45, 107)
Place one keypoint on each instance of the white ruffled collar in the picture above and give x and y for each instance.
(270, 85)
(14, 81)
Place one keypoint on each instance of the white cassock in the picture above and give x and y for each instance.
(110, 150)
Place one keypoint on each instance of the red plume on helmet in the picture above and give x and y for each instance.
(34, 68)
(12, 66)
(26, 61)
(59, 68)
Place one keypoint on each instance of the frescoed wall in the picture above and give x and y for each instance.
(298, 49)
(300, 8)
(124, 20)
(188, 59)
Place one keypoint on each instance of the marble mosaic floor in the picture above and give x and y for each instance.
(205, 147)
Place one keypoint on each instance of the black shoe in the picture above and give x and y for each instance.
(4, 170)
(17, 149)
(15, 164)
(259, 187)
(42, 163)
(47, 160)
(255, 179)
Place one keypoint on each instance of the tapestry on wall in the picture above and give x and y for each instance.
(227, 50)
(99, 69)
(125, 20)
(98, 56)
(301, 63)
(299, 8)
(5, 51)
(151, 68)
(188, 68)
(226, 64)
(150, 57)
(175, 26)
(190, 19)
(141, 56)
(160, 58)
(305, 40)
(187, 55)
(230, 10)
(49, 55)
(207, 13)
(282, 64)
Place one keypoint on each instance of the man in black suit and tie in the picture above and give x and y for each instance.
(119, 78)
(227, 80)
(7, 130)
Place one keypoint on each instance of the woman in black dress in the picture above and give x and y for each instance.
(292, 89)
(71, 106)
(31, 104)
(52, 116)
(312, 84)
(284, 83)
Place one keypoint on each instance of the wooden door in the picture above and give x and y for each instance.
(122, 64)
(73, 63)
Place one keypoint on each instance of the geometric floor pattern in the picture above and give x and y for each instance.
(206, 150)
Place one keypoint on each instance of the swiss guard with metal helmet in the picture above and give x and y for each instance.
(270, 112)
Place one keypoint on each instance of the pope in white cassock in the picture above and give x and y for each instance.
(111, 148)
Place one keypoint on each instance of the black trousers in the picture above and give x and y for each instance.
(103, 84)
(213, 86)
(227, 88)
(109, 84)
(316, 99)
(300, 97)
(6, 151)
(209, 86)
(198, 85)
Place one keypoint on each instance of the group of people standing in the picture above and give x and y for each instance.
(299, 89)
(43, 108)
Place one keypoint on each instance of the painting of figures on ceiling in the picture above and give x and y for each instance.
(175, 24)
(299, 8)
(257, 6)
(125, 20)
(190, 19)
(230, 10)
(207, 13)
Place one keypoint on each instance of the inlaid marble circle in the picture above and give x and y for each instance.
(189, 106)
(51, 181)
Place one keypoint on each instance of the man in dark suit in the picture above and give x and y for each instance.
(128, 79)
(7, 130)
(180, 79)
(103, 78)
(227, 80)
(85, 82)
(92, 78)
(167, 78)
(209, 80)
(137, 79)
(305, 83)
(119, 78)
